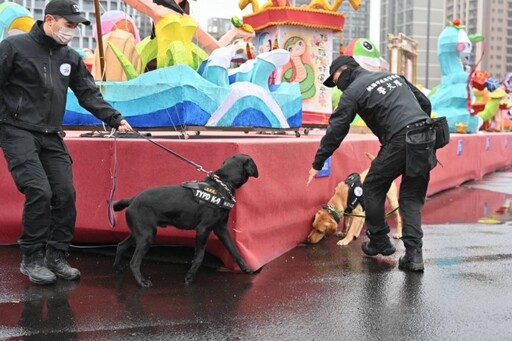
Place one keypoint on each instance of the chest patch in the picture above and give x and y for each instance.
(207, 193)
(65, 69)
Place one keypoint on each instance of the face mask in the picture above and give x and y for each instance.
(64, 35)
(344, 79)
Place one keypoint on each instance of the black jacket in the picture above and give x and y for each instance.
(386, 102)
(35, 74)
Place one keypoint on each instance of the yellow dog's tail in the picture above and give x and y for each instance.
(370, 156)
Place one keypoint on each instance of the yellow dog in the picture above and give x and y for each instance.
(328, 217)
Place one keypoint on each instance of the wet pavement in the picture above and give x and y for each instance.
(319, 292)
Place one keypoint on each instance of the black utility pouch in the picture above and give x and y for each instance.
(420, 151)
(440, 125)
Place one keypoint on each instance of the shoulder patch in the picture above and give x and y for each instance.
(65, 69)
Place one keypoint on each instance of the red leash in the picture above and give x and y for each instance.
(113, 174)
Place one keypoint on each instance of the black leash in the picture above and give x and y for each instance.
(337, 215)
(363, 216)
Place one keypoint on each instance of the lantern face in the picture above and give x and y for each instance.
(307, 34)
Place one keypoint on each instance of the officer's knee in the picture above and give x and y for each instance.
(65, 194)
(37, 192)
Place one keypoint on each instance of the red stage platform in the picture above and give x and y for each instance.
(273, 212)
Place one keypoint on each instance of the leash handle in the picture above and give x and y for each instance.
(110, 208)
(111, 213)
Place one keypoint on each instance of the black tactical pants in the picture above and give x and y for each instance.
(41, 168)
(388, 165)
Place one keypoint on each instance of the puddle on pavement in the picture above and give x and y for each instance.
(470, 203)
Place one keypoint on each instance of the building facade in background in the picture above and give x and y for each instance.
(357, 25)
(421, 20)
(492, 19)
(85, 37)
(424, 20)
(217, 27)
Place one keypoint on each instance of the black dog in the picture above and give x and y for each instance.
(203, 206)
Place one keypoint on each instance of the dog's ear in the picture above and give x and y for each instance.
(250, 167)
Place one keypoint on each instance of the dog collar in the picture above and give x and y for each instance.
(333, 213)
(205, 192)
(216, 178)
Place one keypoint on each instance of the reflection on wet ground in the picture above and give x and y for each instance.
(313, 292)
(489, 198)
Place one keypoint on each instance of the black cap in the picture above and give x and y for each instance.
(67, 9)
(349, 61)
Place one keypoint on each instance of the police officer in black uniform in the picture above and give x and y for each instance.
(390, 106)
(37, 69)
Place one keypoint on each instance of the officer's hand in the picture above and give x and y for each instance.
(124, 127)
(312, 173)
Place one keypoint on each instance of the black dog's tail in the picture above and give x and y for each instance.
(122, 204)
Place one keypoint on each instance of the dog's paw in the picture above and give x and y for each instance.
(189, 279)
(397, 236)
(119, 269)
(146, 283)
(340, 234)
(344, 242)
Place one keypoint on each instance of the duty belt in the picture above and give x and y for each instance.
(417, 124)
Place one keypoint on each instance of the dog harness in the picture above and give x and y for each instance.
(355, 197)
(203, 191)
(355, 192)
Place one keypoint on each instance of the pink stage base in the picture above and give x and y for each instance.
(273, 212)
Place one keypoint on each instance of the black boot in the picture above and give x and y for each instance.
(33, 266)
(55, 260)
(378, 244)
(411, 261)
